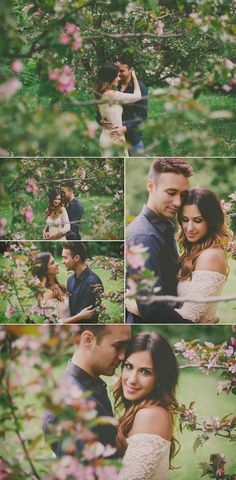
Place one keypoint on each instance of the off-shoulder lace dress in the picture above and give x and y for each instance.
(112, 111)
(59, 224)
(204, 283)
(57, 310)
(146, 458)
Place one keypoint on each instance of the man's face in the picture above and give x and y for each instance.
(124, 72)
(66, 192)
(165, 194)
(109, 351)
(69, 261)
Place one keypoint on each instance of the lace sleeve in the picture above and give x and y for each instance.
(65, 222)
(146, 454)
(127, 97)
(203, 284)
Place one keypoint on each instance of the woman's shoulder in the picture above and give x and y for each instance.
(155, 420)
(212, 259)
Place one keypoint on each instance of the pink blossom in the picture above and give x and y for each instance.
(77, 44)
(224, 386)
(3, 223)
(135, 256)
(226, 205)
(232, 368)
(181, 346)
(197, 20)
(228, 64)
(53, 74)
(229, 352)
(9, 311)
(226, 88)
(160, 28)
(190, 354)
(71, 28)
(9, 88)
(233, 196)
(3, 153)
(233, 341)
(17, 66)
(91, 129)
(64, 39)
(28, 213)
(31, 187)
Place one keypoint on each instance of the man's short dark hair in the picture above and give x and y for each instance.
(126, 59)
(70, 184)
(98, 330)
(77, 248)
(170, 165)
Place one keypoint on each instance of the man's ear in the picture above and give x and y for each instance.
(87, 339)
(150, 185)
(77, 258)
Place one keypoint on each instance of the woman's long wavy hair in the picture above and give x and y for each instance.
(166, 369)
(106, 76)
(40, 270)
(218, 233)
(53, 211)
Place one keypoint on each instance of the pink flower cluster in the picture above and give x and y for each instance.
(64, 78)
(71, 36)
(31, 187)
(136, 257)
(9, 311)
(9, 88)
(3, 223)
(91, 129)
(28, 213)
(17, 66)
(160, 28)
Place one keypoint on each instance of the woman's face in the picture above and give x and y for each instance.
(57, 201)
(53, 267)
(194, 226)
(116, 81)
(138, 376)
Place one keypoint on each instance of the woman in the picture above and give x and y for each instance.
(53, 296)
(110, 107)
(57, 220)
(202, 240)
(203, 264)
(146, 394)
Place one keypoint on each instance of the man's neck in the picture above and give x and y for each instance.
(164, 219)
(125, 83)
(80, 267)
(80, 361)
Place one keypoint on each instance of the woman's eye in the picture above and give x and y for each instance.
(184, 219)
(145, 372)
(128, 366)
(198, 220)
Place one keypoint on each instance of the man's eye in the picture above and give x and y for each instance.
(184, 219)
(128, 366)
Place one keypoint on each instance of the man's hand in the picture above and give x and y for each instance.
(117, 131)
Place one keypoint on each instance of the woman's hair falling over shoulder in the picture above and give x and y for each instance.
(218, 233)
(166, 370)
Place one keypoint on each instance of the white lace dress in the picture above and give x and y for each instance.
(146, 458)
(204, 283)
(112, 111)
(57, 310)
(58, 224)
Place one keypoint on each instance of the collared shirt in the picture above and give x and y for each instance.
(134, 113)
(157, 235)
(75, 212)
(83, 292)
(97, 392)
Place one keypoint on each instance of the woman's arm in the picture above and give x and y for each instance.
(65, 222)
(147, 445)
(85, 314)
(129, 97)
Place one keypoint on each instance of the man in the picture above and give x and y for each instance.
(84, 286)
(74, 209)
(153, 228)
(99, 352)
(134, 113)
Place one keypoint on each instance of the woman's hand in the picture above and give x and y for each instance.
(134, 76)
(87, 312)
(131, 306)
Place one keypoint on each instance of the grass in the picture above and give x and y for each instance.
(115, 310)
(193, 386)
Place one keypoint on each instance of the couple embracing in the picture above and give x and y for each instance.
(144, 397)
(200, 270)
(77, 301)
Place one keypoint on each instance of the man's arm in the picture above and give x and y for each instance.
(141, 109)
(155, 312)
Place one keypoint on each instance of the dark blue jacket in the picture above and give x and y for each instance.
(152, 232)
(75, 212)
(82, 292)
(106, 434)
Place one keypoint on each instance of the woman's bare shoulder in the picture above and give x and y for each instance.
(155, 419)
(212, 259)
